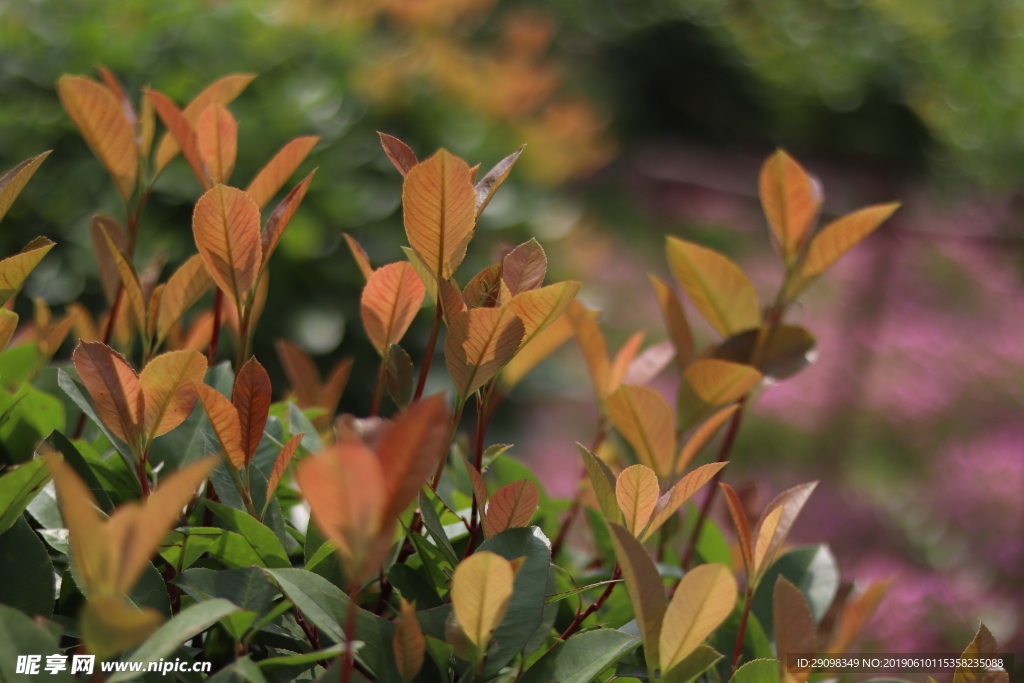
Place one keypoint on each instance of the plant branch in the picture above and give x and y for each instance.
(737, 651)
(594, 606)
(428, 354)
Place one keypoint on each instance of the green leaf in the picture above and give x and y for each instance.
(28, 571)
(70, 386)
(260, 537)
(17, 489)
(63, 445)
(580, 658)
(187, 624)
(242, 670)
(298, 660)
(526, 609)
(413, 586)
(20, 635)
(247, 587)
(757, 671)
(17, 365)
(696, 663)
(183, 548)
(812, 569)
(433, 523)
(645, 588)
(33, 415)
(149, 591)
(300, 424)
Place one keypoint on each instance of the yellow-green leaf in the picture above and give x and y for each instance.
(479, 342)
(538, 308)
(646, 591)
(791, 201)
(592, 345)
(226, 226)
(438, 201)
(777, 520)
(603, 481)
(481, 590)
(14, 270)
(168, 388)
(184, 288)
(14, 181)
(636, 491)
(8, 324)
(390, 301)
(543, 344)
(645, 420)
(716, 285)
(101, 120)
(702, 601)
(679, 494)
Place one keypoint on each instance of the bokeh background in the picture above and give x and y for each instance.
(642, 117)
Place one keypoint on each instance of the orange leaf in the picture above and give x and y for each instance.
(282, 216)
(359, 254)
(226, 425)
(645, 420)
(217, 141)
(772, 533)
(484, 289)
(592, 345)
(167, 384)
(438, 201)
(251, 398)
(130, 283)
(184, 288)
(791, 201)
(718, 382)
(284, 458)
(401, 154)
(114, 388)
(490, 183)
(701, 436)
(14, 181)
(410, 450)
(226, 226)
(221, 91)
(391, 299)
(479, 486)
(115, 87)
(181, 132)
(452, 301)
(794, 628)
(14, 270)
(8, 324)
(675, 321)
(345, 487)
(857, 612)
(538, 308)
(835, 239)
(543, 344)
(742, 525)
(301, 372)
(334, 386)
(511, 506)
(479, 342)
(101, 120)
(623, 361)
(716, 285)
(524, 267)
(679, 494)
(408, 643)
(110, 278)
(636, 491)
(275, 174)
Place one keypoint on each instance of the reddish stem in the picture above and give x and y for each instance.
(594, 606)
(218, 303)
(737, 651)
(428, 355)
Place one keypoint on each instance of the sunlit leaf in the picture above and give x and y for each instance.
(794, 628)
(623, 360)
(777, 520)
(701, 436)
(282, 215)
(410, 450)
(14, 181)
(490, 183)
(485, 288)
(481, 590)
(99, 117)
(742, 526)
(716, 285)
(438, 201)
(168, 389)
(714, 383)
(645, 420)
(791, 201)
(251, 397)
(226, 226)
(603, 481)
(646, 592)
(359, 254)
(391, 299)
(275, 174)
(538, 308)
(524, 267)
(129, 282)
(543, 344)
(675, 321)
(217, 141)
(835, 239)
(854, 614)
(592, 345)
(408, 643)
(702, 601)
(669, 503)
(781, 351)
(399, 153)
(14, 270)
(222, 91)
(983, 646)
(424, 271)
(636, 492)
(181, 131)
(184, 288)
(511, 506)
(476, 480)
(479, 342)
(284, 458)
(226, 425)
(114, 388)
(101, 225)
(452, 302)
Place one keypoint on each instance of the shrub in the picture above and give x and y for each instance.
(177, 531)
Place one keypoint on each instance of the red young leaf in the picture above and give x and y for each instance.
(401, 154)
(217, 141)
(114, 388)
(524, 267)
(391, 299)
(511, 506)
(226, 226)
(251, 398)
(279, 169)
(183, 133)
(282, 216)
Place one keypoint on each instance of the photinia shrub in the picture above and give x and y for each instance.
(195, 524)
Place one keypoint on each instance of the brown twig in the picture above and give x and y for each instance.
(594, 606)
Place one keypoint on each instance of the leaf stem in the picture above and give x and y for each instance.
(460, 403)
(218, 303)
(348, 663)
(737, 651)
(594, 606)
(428, 354)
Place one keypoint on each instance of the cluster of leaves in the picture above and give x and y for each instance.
(173, 529)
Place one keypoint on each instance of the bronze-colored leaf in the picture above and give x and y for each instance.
(742, 526)
(114, 388)
(525, 267)
(279, 169)
(390, 301)
(438, 201)
(359, 254)
(771, 534)
(282, 216)
(543, 344)
(168, 388)
(538, 308)
(400, 154)
(226, 227)
(624, 360)
(181, 135)
(675, 322)
(184, 288)
(636, 492)
(511, 506)
(401, 375)
(794, 628)
(130, 283)
(716, 285)
(110, 277)
(484, 288)
(410, 450)
(301, 372)
(781, 351)
(281, 463)
(217, 141)
(791, 201)
(14, 181)
(646, 591)
(408, 644)
(14, 270)
(226, 425)
(645, 420)
(479, 342)
(982, 647)
(684, 489)
(490, 183)
(251, 398)
(592, 345)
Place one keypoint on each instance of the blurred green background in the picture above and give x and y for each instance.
(641, 117)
